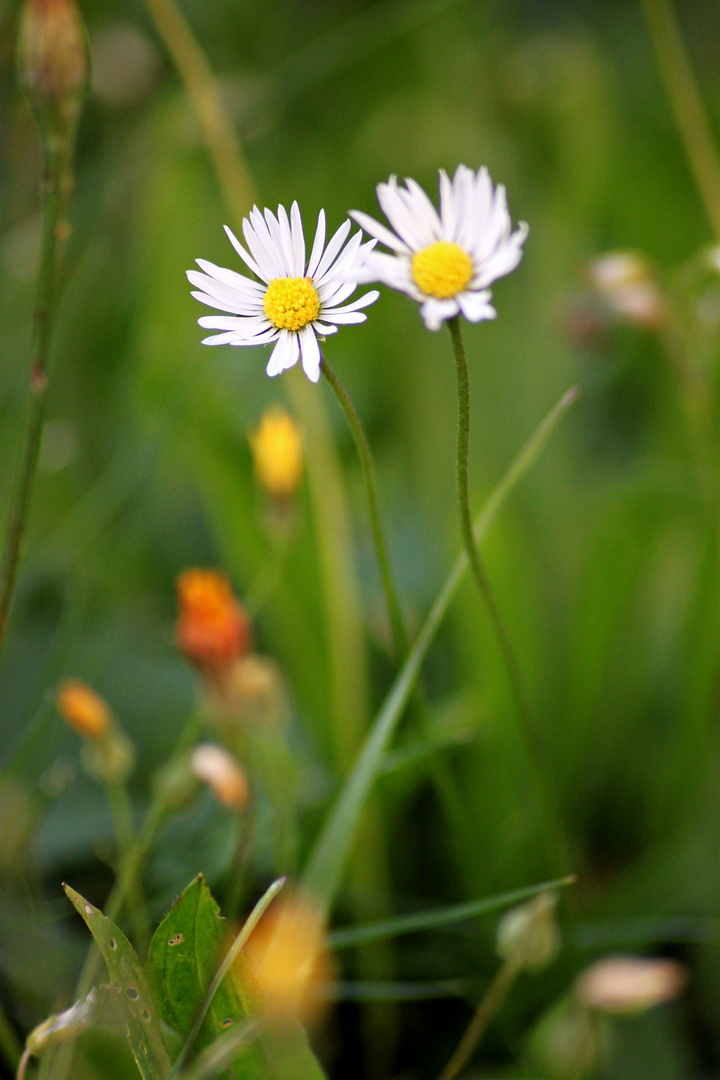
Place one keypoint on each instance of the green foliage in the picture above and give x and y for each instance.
(128, 981)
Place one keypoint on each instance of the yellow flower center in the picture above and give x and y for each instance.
(291, 302)
(442, 270)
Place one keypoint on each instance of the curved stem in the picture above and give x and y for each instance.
(530, 734)
(400, 638)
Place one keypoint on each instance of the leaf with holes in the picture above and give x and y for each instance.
(129, 983)
(185, 953)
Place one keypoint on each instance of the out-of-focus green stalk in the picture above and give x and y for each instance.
(43, 319)
(53, 69)
(491, 1002)
(223, 145)
(122, 820)
(558, 850)
(366, 464)
(10, 1047)
(690, 114)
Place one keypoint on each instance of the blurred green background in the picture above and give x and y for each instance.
(606, 563)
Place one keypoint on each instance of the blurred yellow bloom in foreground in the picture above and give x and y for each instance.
(83, 709)
(277, 448)
(212, 628)
(288, 954)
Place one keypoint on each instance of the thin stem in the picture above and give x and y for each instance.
(530, 734)
(362, 446)
(486, 1010)
(10, 1046)
(196, 73)
(54, 187)
(690, 114)
(122, 821)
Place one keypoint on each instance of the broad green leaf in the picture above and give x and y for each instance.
(185, 954)
(134, 994)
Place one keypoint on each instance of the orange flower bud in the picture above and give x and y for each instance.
(212, 630)
(216, 768)
(82, 709)
(288, 954)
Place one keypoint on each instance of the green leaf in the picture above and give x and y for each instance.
(328, 858)
(185, 954)
(134, 994)
(431, 920)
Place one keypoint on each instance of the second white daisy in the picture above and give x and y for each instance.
(445, 261)
(294, 302)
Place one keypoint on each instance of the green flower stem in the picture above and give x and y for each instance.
(690, 115)
(54, 186)
(362, 446)
(552, 824)
(122, 822)
(486, 1010)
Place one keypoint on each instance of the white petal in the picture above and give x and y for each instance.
(237, 282)
(362, 302)
(504, 260)
(476, 306)
(293, 349)
(310, 353)
(324, 329)
(287, 242)
(345, 264)
(220, 305)
(332, 250)
(249, 262)
(276, 362)
(262, 247)
(434, 312)
(334, 292)
(298, 239)
(318, 244)
(344, 318)
(405, 216)
(380, 232)
(392, 270)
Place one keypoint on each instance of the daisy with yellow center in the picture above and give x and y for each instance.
(445, 260)
(295, 301)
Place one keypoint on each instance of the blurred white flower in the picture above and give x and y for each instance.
(446, 260)
(295, 302)
(627, 984)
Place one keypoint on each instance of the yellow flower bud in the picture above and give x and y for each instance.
(216, 768)
(277, 448)
(83, 709)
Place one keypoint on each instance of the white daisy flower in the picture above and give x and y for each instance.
(444, 261)
(295, 302)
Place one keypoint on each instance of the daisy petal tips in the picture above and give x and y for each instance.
(444, 260)
(295, 300)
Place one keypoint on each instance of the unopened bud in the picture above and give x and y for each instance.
(63, 1027)
(277, 448)
(109, 760)
(53, 63)
(83, 709)
(216, 768)
(568, 1043)
(528, 935)
(630, 984)
(627, 284)
(253, 693)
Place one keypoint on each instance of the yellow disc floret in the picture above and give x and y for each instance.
(291, 303)
(442, 270)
